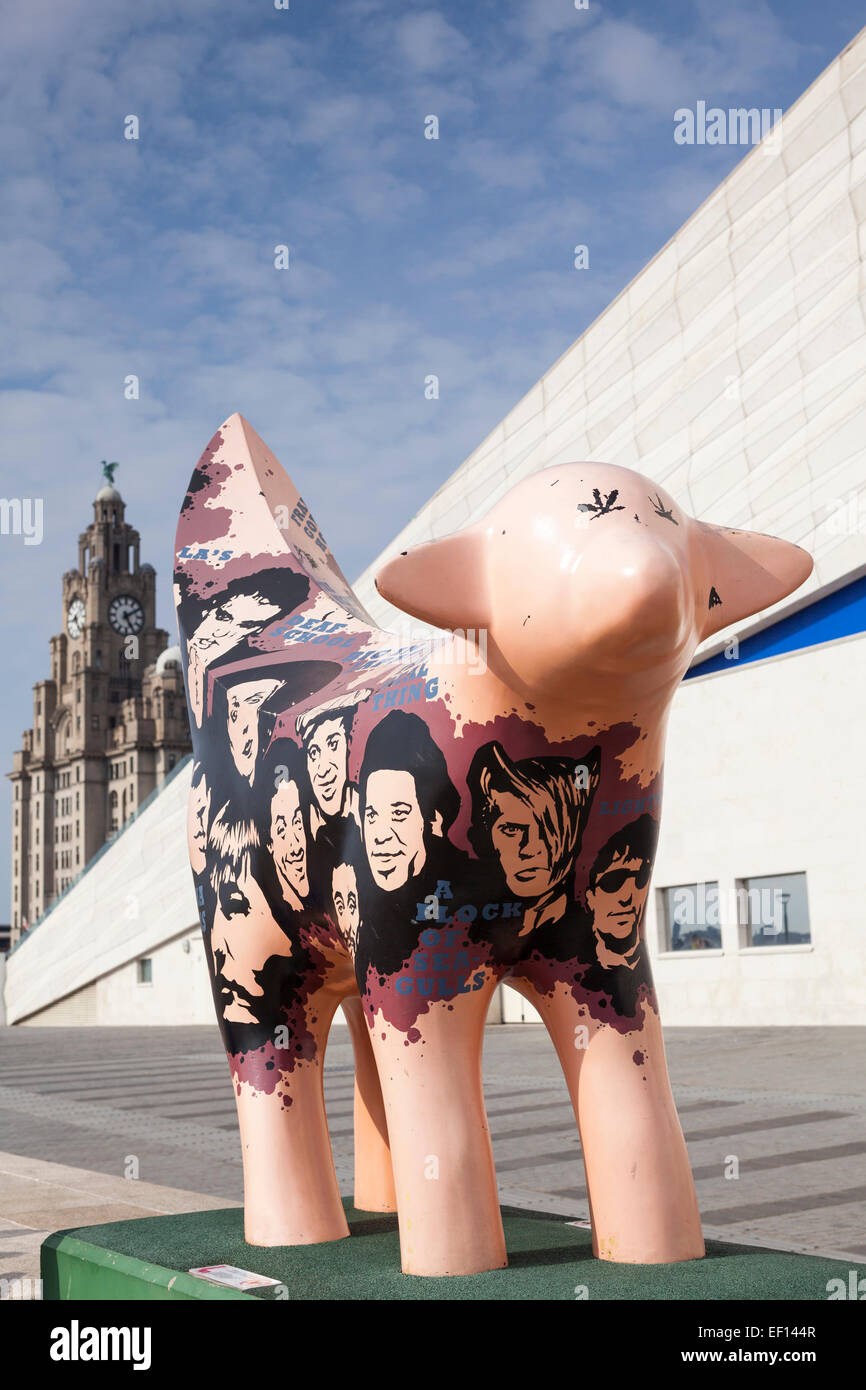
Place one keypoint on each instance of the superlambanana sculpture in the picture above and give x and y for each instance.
(398, 829)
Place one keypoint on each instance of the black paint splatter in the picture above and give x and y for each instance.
(599, 507)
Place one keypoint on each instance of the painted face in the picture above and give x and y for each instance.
(244, 936)
(345, 894)
(243, 722)
(522, 849)
(327, 764)
(289, 843)
(230, 622)
(198, 809)
(617, 902)
(393, 829)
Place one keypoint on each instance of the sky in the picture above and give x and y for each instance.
(408, 257)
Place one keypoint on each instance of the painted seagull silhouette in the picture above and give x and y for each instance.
(599, 507)
(660, 510)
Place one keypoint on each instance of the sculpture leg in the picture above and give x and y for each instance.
(638, 1175)
(291, 1196)
(440, 1143)
(374, 1173)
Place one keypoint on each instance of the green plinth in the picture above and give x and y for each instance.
(548, 1259)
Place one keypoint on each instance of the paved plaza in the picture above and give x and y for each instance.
(102, 1124)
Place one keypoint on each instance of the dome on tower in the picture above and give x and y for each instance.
(108, 493)
(168, 660)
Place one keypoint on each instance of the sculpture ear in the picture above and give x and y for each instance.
(747, 571)
(443, 582)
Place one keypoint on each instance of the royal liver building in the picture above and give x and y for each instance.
(109, 723)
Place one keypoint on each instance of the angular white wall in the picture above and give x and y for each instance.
(731, 369)
(138, 896)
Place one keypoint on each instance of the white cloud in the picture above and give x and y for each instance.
(428, 42)
(513, 165)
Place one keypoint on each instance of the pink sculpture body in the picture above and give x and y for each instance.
(398, 830)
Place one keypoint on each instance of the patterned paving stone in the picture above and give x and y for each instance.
(788, 1104)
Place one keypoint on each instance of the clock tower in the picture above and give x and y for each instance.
(109, 723)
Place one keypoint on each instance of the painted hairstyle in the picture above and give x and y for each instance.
(283, 762)
(278, 584)
(338, 845)
(401, 742)
(637, 840)
(547, 785)
(307, 723)
(234, 846)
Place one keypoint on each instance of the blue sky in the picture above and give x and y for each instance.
(409, 256)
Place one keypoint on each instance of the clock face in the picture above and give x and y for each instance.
(126, 614)
(75, 616)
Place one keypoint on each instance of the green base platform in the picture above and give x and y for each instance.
(148, 1259)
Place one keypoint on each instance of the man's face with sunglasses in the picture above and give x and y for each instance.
(617, 900)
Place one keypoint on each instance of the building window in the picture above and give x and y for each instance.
(145, 971)
(94, 721)
(171, 761)
(130, 765)
(774, 911)
(97, 659)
